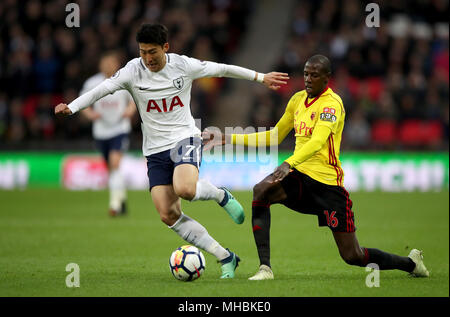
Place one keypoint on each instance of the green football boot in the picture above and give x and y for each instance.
(229, 265)
(232, 207)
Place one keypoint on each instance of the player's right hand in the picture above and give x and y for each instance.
(274, 80)
(62, 109)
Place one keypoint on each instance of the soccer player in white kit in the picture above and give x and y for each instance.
(160, 84)
(111, 124)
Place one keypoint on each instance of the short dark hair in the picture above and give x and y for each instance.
(322, 60)
(152, 34)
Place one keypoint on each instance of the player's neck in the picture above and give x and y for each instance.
(318, 94)
(164, 62)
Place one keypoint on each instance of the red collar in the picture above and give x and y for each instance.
(314, 100)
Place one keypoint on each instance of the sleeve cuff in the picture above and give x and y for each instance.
(290, 161)
(73, 108)
(259, 77)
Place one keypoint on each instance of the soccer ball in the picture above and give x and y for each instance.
(187, 263)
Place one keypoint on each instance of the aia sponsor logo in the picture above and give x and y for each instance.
(164, 105)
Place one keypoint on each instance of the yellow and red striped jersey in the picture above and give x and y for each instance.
(304, 114)
(327, 110)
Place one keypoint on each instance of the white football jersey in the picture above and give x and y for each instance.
(163, 98)
(111, 109)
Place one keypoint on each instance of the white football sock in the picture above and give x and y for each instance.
(207, 191)
(194, 233)
(117, 191)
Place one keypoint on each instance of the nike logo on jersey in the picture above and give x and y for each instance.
(144, 88)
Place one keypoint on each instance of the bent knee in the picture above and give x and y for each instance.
(259, 191)
(169, 217)
(185, 191)
(353, 258)
(168, 213)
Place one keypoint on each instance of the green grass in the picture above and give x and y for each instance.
(41, 231)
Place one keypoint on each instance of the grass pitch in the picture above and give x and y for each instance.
(41, 231)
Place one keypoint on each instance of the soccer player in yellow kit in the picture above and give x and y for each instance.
(311, 180)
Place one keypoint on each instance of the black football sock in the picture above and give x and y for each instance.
(261, 230)
(388, 261)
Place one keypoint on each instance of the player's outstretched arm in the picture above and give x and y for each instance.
(274, 80)
(62, 110)
(108, 86)
(199, 69)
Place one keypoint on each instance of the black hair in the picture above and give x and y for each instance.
(152, 34)
(322, 60)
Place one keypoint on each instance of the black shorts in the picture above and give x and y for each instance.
(331, 204)
(160, 166)
(117, 143)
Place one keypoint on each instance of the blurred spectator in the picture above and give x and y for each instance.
(3, 114)
(357, 130)
(264, 110)
(46, 68)
(16, 128)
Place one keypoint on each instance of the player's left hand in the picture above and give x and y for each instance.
(274, 80)
(281, 172)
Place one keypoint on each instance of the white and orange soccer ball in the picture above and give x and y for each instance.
(187, 263)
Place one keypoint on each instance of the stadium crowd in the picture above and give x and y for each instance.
(394, 79)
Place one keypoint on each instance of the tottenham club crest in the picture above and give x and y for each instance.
(178, 83)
